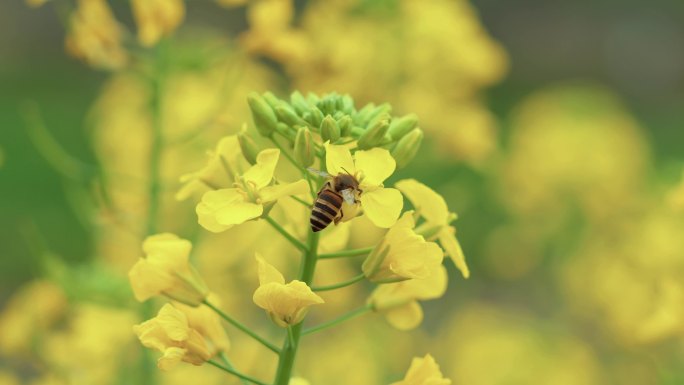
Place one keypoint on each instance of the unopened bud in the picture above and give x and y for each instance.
(402, 126)
(299, 103)
(329, 130)
(304, 151)
(407, 148)
(249, 147)
(345, 125)
(374, 136)
(264, 118)
(289, 116)
(316, 116)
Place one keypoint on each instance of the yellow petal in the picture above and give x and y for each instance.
(424, 371)
(261, 173)
(273, 193)
(267, 272)
(339, 160)
(447, 238)
(427, 202)
(376, 165)
(221, 209)
(405, 317)
(172, 356)
(167, 250)
(287, 304)
(382, 206)
(173, 322)
(147, 281)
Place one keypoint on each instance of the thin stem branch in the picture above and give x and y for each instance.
(302, 201)
(291, 336)
(229, 365)
(346, 253)
(285, 234)
(236, 373)
(242, 327)
(285, 153)
(352, 314)
(340, 285)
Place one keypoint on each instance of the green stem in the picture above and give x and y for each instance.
(242, 327)
(338, 320)
(290, 336)
(285, 234)
(346, 253)
(229, 365)
(285, 153)
(154, 189)
(302, 201)
(236, 373)
(350, 282)
(289, 350)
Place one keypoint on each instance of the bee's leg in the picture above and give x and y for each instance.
(338, 218)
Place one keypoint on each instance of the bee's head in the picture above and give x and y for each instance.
(345, 181)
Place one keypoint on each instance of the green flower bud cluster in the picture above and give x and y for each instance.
(308, 122)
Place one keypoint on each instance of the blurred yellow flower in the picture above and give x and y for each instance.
(170, 333)
(95, 36)
(298, 381)
(220, 210)
(424, 371)
(398, 302)
(35, 3)
(157, 18)
(432, 207)
(286, 304)
(402, 254)
(371, 168)
(225, 165)
(166, 271)
(270, 32)
(30, 311)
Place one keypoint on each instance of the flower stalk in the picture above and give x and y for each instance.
(242, 327)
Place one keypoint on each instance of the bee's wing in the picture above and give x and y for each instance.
(319, 172)
(348, 196)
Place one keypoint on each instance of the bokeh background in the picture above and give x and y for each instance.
(554, 129)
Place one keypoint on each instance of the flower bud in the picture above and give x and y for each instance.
(264, 118)
(289, 116)
(299, 102)
(407, 148)
(345, 125)
(329, 130)
(316, 116)
(402, 126)
(304, 151)
(248, 146)
(374, 136)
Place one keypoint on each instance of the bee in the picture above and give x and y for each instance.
(328, 205)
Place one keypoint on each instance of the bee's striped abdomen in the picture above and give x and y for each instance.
(326, 208)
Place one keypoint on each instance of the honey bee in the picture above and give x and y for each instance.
(328, 205)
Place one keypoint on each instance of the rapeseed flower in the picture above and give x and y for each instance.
(226, 163)
(254, 193)
(432, 207)
(402, 254)
(286, 304)
(166, 271)
(170, 333)
(424, 371)
(95, 36)
(371, 168)
(398, 302)
(157, 18)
